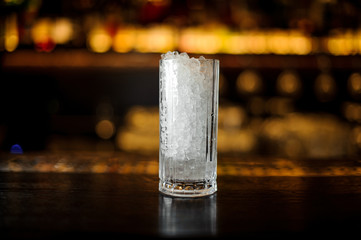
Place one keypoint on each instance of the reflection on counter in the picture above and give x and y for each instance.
(182, 217)
(126, 163)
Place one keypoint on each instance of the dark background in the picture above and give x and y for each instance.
(45, 97)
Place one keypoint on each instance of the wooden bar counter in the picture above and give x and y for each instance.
(102, 195)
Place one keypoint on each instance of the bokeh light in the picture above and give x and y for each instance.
(341, 43)
(352, 111)
(124, 39)
(41, 33)
(158, 38)
(11, 33)
(325, 87)
(105, 129)
(249, 82)
(288, 83)
(99, 40)
(62, 31)
(231, 117)
(354, 85)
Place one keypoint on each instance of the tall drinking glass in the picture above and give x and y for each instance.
(188, 122)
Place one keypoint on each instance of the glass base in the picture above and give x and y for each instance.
(188, 189)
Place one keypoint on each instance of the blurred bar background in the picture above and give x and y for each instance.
(83, 75)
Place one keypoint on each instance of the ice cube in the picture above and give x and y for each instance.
(169, 55)
(184, 55)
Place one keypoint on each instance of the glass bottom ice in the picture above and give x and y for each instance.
(188, 189)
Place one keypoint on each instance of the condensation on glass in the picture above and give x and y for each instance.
(188, 122)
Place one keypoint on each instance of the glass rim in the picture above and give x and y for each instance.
(201, 60)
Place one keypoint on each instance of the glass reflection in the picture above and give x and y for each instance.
(186, 217)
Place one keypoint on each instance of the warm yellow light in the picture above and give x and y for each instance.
(124, 40)
(11, 33)
(236, 140)
(11, 42)
(358, 41)
(137, 141)
(162, 39)
(62, 30)
(352, 111)
(249, 82)
(231, 117)
(354, 84)
(235, 44)
(99, 40)
(143, 119)
(325, 87)
(105, 129)
(357, 113)
(299, 44)
(198, 40)
(278, 42)
(99, 167)
(63, 167)
(41, 30)
(342, 43)
(155, 39)
(187, 40)
(274, 41)
(141, 130)
(335, 46)
(209, 43)
(256, 43)
(349, 111)
(288, 83)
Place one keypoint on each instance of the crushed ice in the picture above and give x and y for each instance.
(185, 89)
(176, 55)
